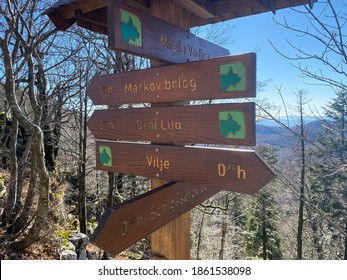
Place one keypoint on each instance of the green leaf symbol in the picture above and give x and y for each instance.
(105, 156)
(131, 29)
(230, 79)
(232, 125)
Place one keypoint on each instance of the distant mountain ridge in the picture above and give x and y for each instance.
(290, 121)
(282, 138)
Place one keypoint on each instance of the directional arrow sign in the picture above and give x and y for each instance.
(132, 220)
(232, 124)
(136, 32)
(219, 78)
(234, 170)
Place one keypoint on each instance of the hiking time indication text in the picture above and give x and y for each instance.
(231, 124)
(218, 78)
(234, 170)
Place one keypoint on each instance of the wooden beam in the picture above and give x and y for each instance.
(95, 21)
(140, 5)
(63, 13)
(198, 12)
(202, 9)
(311, 2)
(173, 240)
(68, 11)
(269, 4)
(226, 9)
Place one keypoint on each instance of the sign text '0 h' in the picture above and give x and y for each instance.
(219, 78)
(133, 220)
(230, 124)
(137, 32)
(234, 170)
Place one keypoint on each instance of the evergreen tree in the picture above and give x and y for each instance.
(328, 176)
(261, 235)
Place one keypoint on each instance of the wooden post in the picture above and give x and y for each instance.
(173, 240)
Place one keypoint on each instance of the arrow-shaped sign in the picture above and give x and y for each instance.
(137, 32)
(230, 124)
(132, 220)
(219, 78)
(234, 170)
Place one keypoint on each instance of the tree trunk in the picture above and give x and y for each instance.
(23, 220)
(317, 244)
(345, 256)
(41, 85)
(264, 236)
(37, 148)
(302, 182)
(222, 243)
(198, 245)
(42, 210)
(57, 125)
(8, 214)
(82, 164)
(22, 168)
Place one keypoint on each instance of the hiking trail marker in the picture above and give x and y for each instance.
(217, 78)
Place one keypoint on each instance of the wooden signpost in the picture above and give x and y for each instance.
(230, 124)
(218, 78)
(139, 33)
(212, 76)
(240, 171)
(136, 218)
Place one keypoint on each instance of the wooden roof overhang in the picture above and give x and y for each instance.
(92, 14)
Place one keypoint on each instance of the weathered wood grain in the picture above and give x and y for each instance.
(201, 80)
(133, 220)
(159, 39)
(234, 170)
(206, 124)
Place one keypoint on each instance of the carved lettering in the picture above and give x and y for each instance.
(175, 46)
(157, 162)
(105, 89)
(128, 88)
(166, 84)
(223, 170)
(166, 207)
(106, 124)
(174, 126)
(182, 47)
(164, 41)
(143, 125)
(171, 126)
(124, 228)
(197, 53)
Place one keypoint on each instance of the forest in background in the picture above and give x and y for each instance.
(50, 189)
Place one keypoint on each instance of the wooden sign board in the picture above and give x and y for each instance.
(139, 33)
(234, 170)
(133, 220)
(218, 78)
(230, 124)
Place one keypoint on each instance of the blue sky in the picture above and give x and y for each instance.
(252, 34)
